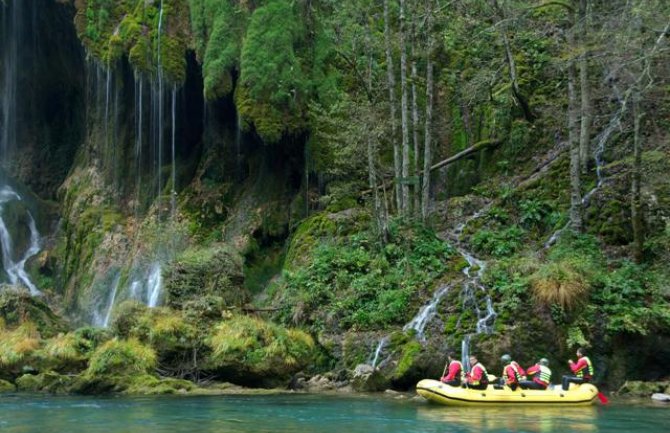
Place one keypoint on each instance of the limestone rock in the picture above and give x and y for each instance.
(661, 397)
(367, 379)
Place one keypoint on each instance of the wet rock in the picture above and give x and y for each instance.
(661, 397)
(366, 378)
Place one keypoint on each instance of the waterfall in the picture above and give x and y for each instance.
(100, 319)
(426, 313)
(238, 146)
(419, 321)
(12, 36)
(154, 285)
(16, 271)
(378, 351)
(601, 140)
(159, 66)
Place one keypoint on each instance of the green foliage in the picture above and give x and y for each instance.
(630, 300)
(124, 357)
(352, 282)
(262, 348)
(499, 243)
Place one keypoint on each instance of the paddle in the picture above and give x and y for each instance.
(602, 398)
(445, 369)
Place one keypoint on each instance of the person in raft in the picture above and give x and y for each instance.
(582, 369)
(539, 375)
(455, 372)
(512, 372)
(477, 378)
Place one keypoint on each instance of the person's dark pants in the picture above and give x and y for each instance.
(480, 386)
(454, 382)
(531, 384)
(513, 386)
(573, 379)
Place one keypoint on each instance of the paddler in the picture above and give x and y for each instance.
(512, 372)
(477, 378)
(582, 369)
(455, 371)
(540, 376)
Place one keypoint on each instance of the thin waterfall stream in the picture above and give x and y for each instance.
(471, 286)
(16, 270)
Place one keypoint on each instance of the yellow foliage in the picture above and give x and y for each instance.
(560, 283)
(18, 344)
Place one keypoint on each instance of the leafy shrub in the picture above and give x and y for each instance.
(122, 357)
(630, 300)
(499, 243)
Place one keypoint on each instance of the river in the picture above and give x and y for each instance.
(308, 413)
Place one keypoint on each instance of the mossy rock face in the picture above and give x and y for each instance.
(117, 357)
(642, 389)
(18, 307)
(215, 271)
(252, 351)
(49, 381)
(152, 385)
(6, 386)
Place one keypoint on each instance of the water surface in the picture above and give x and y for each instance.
(308, 413)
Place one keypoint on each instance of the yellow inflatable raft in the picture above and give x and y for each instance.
(578, 395)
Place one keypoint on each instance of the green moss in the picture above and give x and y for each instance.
(259, 348)
(306, 236)
(6, 387)
(213, 271)
(122, 357)
(151, 385)
(110, 30)
(407, 358)
(49, 381)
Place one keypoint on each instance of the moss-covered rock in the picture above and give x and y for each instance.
(215, 271)
(251, 350)
(48, 381)
(122, 357)
(18, 307)
(642, 389)
(6, 386)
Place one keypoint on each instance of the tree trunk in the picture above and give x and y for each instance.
(406, 203)
(585, 90)
(390, 75)
(427, 156)
(573, 132)
(511, 64)
(415, 132)
(636, 200)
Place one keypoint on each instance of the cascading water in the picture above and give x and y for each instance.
(601, 140)
(102, 317)
(15, 270)
(12, 15)
(426, 313)
(418, 323)
(14, 35)
(154, 285)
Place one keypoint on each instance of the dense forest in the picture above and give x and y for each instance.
(327, 194)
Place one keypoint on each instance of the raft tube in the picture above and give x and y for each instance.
(438, 392)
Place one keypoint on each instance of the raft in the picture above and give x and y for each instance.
(438, 392)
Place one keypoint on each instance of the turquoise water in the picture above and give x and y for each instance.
(308, 413)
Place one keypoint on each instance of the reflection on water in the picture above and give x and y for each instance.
(517, 418)
(308, 413)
